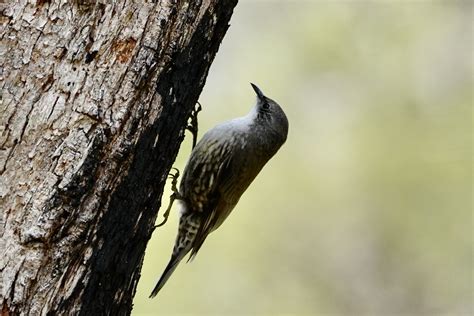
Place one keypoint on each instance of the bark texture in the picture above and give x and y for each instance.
(95, 98)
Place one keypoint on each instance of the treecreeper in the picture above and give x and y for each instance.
(221, 167)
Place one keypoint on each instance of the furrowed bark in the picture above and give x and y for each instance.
(95, 99)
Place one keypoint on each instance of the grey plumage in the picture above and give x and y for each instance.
(221, 167)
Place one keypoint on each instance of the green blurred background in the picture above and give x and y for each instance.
(367, 209)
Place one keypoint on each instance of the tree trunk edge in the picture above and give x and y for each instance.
(104, 258)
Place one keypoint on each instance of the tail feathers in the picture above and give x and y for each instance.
(188, 228)
(167, 273)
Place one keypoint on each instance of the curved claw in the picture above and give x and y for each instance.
(193, 122)
(173, 197)
(198, 108)
(173, 176)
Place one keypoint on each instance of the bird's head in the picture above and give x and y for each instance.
(269, 114)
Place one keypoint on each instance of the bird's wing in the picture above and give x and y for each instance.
(205, 192)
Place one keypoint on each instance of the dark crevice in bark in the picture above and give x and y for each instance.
(91, 249)
(138, 194)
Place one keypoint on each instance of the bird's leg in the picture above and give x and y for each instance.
(193, 122)
(173, 197)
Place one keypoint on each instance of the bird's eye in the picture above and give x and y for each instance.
(266, 105)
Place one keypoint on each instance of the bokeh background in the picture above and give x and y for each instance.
(367, 209)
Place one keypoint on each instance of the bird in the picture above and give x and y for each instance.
(220, 168)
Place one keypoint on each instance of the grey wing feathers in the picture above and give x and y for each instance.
(202, 175)
(205, 174)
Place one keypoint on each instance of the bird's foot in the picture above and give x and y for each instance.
(193, 122)
(175, 196)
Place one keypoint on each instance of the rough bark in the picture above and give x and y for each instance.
(95, 99)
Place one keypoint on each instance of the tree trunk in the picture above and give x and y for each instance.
(95, 99)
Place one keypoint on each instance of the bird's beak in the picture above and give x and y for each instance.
(259, 92)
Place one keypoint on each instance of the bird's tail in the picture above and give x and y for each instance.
(188, 227)
(166, 274)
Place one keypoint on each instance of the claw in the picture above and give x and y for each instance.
(193, 122)
(173, 197)
(166, 214)
(175, 175)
